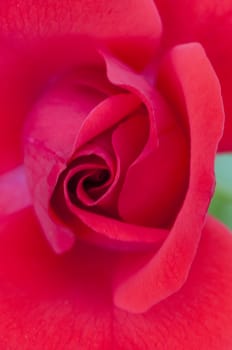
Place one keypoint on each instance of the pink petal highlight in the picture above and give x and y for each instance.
(14, 192)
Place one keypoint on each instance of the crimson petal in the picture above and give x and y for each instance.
(209, 23)
(65, 301)
(167, 271)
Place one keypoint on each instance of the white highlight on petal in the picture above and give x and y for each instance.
(14, 192)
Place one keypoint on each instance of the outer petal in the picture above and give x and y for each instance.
(210, 23)
(26, 70)
(185, 73)
(132, 30)
(49, 142)
(64, 302)
(199, 315)
(47, 300)
(41, 38)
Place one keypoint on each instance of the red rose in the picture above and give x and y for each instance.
(117, 126)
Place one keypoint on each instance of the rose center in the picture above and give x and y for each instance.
(97, 179)
(92, 182)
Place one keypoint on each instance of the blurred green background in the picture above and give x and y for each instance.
(221, 205)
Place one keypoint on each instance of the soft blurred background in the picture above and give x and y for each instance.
(221, 205)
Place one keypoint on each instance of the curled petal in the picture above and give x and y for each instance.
(198, 316)
(116, 234)
(167, 271)
(155, 183)
(106, 114)
(68, 116)
(210, 23)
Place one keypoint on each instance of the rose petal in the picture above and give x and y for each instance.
(57, 118)
(43, 168)
(27, 62)
(167, 271)
(83, 173)
(50, 292)
(14, 193)
(160, 120)
(129, 138)
(199, 315)
(117, 234)
(123, 76)
(106, 114)
(135, 39)
(209, 22)
(49, 142)
(104, 230)
(26, 70)
(17, 91)
(95, 156)
(155, 184)
(48, 148)
(42, 289)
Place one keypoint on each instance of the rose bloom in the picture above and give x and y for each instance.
(111, 115)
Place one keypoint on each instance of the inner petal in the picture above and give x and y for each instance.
(85, 186)
(155, 183)
(96, 182)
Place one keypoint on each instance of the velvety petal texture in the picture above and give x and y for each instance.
(38, 37)
(210, 23)
(168, 270)
(48, 300)
(111, 115)
(135, 39)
